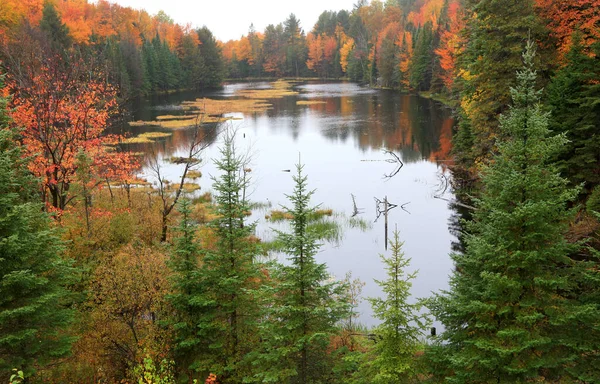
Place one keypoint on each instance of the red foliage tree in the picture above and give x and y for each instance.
(64, 110)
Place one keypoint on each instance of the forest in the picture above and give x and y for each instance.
(106, 278)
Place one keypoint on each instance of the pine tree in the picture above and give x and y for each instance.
(216, 285)
(397, 337)
(186, 299)
(33, 276)
(574, 97)
(56, 31)
(514, 314)
(212, 59)
(303, 306)
(494, 35)
(420, 69)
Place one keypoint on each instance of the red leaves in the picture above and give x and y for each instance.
(63, 113)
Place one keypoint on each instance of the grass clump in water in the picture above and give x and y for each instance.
(147, 137)
(194, 174)
(310, 102)
(277, 215)
(360, 223)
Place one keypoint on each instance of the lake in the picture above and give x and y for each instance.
(347, 143)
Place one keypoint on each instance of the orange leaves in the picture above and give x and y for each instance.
(321, 52)
(63, 112)
(567, 16)
(450, 42)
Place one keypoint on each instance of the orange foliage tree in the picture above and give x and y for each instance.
(450, 41)
(63, 111)
(567, 16)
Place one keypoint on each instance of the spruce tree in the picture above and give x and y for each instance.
(513, 314)
(397, 337)
(494, 36)
(303, 306)
(216, 284)
(574, 98)
(33, 276)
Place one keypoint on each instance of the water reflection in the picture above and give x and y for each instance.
(341, 140)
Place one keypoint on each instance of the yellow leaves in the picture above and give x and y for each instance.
(345, 50)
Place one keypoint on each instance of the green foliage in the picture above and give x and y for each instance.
(593, 202)
(210, 52)
(148, 372)
(514, 313)
(574, 98)
(56, 31)
(392, 359)
(34, 311)
(17, 377)
(214, 287)
(302, 306)
(421, 67)
(494, 34)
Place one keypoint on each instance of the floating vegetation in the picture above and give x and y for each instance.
(278, 90)
(213, 107)
(194, 174)
(319, 213)
(185, 121)
(310, 102)
(175, 117)
(184, 160)
(190, 187)
(147, 137)
(277, 215)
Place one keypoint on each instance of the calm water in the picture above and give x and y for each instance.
(342, 143)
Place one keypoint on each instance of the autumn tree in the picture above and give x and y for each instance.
(303, 306)
(274, 50)
(127, 302)
(34, 299)
(513, 313)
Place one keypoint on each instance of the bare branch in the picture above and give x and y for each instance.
(396, 160)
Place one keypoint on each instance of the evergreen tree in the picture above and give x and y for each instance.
(514, 314)
(56, 31)
(212, 59)
(303, 306)
(186, 298)
(217, 308)
(574, 98)
(397, 337)
(296, 46)
(420, 69)
(33, 277)
(494, 36)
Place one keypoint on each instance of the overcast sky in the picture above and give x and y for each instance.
(230, 19)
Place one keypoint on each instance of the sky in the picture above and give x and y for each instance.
(230, 19)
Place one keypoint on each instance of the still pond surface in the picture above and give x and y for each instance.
(342, 142)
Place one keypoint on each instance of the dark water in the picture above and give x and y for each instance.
(342, 143)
